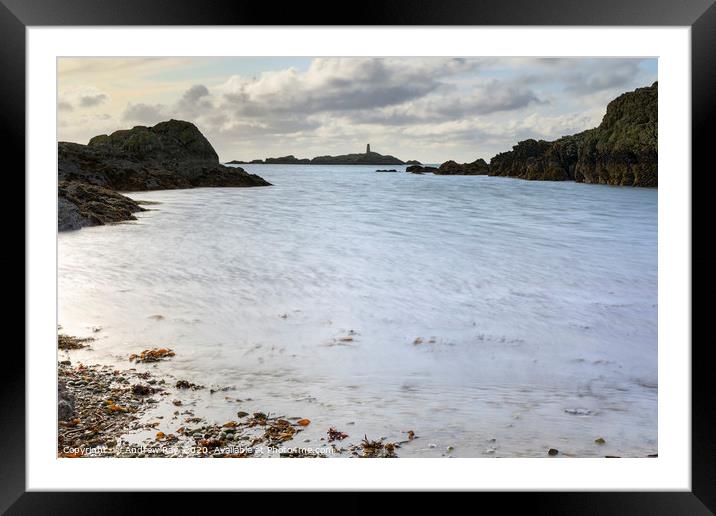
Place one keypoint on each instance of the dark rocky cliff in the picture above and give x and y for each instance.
(622, 150)
(172, 154)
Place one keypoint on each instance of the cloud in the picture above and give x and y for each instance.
(587, 76)
(146, 113)
(614, 74)
(339, 84)
(484, 98)
(195, 93)
(92, 100)
(492, 97)
(85, 97)
(423, 108)
(194, 102)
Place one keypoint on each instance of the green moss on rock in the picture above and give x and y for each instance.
(171, 154)
(622, 150)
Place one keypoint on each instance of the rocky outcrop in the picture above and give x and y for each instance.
(622, 150)
(413, 162)
(529, 159)
(82, 204)
(478, 167)
(420, 169)
(170, 155)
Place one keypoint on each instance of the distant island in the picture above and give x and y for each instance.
(366, 158)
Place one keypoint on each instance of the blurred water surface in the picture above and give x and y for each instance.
(491, 315)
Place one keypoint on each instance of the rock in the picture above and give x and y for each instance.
(141, 390)
(525, 161)
(183, 384)
(552, 452)
(80, 204)
(172, 154)
(65, 402)
(69, 216)
(478, 167)
(413, 162)
(419, 169)
(622, 150)
(390, 170)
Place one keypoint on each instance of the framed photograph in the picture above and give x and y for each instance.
(436, 238)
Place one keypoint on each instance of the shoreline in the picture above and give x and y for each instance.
(117, 412)
(100, 405)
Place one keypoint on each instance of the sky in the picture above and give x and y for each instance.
(429, 109)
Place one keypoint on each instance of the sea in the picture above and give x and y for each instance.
(490, 316)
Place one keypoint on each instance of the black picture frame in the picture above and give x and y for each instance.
(17, 15)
